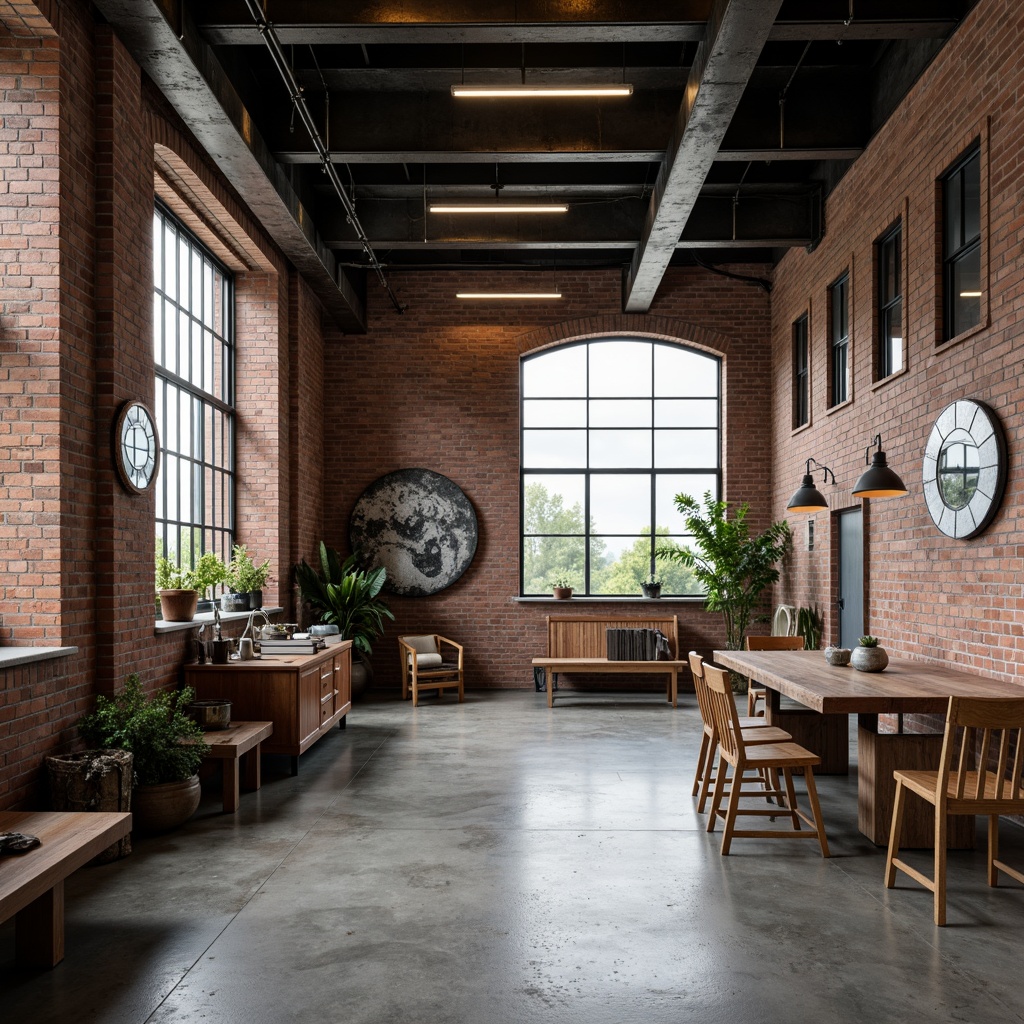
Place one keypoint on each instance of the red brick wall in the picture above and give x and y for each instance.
(928, 596)
(438, 388)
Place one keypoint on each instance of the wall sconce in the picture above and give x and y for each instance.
(808, 498)
(879, 481)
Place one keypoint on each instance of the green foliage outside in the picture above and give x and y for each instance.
(152, 728)
(732, 567)
(550, 558)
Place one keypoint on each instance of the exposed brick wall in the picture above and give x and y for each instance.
(438, 388)
(928, 596)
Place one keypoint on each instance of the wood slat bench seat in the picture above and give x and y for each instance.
(579, 644)
(32, 883)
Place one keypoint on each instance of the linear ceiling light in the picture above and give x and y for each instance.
(508, 295)
(499, 208)
(538, 91)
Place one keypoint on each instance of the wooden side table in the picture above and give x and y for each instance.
(239, 743)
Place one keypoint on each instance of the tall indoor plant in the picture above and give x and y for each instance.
(733, 567)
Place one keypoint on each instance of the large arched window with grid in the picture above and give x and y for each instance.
(612, 430)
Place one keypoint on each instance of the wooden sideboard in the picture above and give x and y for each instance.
(304, 695)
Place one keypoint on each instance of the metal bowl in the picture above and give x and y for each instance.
(211, 714)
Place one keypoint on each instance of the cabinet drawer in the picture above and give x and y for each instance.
(327, 705)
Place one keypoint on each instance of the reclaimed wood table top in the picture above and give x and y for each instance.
(905, 687)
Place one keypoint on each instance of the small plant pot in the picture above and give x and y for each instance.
(838, 656)
(178, 605)
(234, 602)
(651, 589)
(255, 599)
(211, 714)
(869, 659)
(562, 593)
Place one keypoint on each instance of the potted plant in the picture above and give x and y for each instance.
(561, 588)
(246, 580)
(346, 596)
(167, 748)
(733, 567)
(181, 588)
(651, 587)
(868, 656)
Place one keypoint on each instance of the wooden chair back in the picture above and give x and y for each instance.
(983, 754)
(700, 686)
(775, 643)
(723, 712)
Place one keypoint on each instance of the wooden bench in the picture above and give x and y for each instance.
(579, 644)
(238, 747)
(32, 883)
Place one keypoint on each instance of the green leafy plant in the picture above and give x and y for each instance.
(869, 641)
(653, 580)
(809, 624)
(733, 567)
(343, 594)
(208, 571)
(243, 575)
(561, 583)
(152, 728)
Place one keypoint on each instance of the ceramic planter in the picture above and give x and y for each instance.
(869, 659)
(179, 605)
(166, 806)
(651, 589)
(838, 656)
(562, 593)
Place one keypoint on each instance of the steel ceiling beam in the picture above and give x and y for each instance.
(189, 76)
(737, 31)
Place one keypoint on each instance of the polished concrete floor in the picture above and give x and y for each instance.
(500, 862)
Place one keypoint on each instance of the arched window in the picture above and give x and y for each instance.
(612, 431)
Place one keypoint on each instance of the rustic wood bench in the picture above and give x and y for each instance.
(238, 746)
(32, 883)
(579, 644)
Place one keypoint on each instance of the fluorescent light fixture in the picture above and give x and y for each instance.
(508, 295)
(499, 208)
(970, 295)
(538, 91)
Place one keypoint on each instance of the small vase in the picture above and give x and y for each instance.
(869, 659)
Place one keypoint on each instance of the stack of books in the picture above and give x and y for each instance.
(308, 646)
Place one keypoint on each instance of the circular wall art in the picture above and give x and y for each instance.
(419, 526)
(964, 469)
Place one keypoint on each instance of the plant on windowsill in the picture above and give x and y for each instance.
(561, 588)
(868, 656)
(651, 587)
(245, 580)
(167, 748)
(180, 589)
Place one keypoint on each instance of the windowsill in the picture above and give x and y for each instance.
(207, 617)
(888, 380)
(607, 600)
(801, 428)
(942, 345)
(839, 406)
(10, 657)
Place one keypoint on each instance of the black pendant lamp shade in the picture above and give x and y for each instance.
(878, 481)
(808, 498)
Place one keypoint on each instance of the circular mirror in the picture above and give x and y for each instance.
(964, 469)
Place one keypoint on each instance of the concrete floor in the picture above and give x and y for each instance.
(497, 862)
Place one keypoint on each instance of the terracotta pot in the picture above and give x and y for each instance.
(562, 593)
(166, 806)
(178, 605)
(869, 659)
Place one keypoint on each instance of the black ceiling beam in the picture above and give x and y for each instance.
(189, 76)
(725, 60)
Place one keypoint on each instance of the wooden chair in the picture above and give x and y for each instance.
(430, 662)
(975, 776)
(755, 730)
(768, 643)
(743, 757)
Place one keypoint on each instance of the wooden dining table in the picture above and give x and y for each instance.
(905, 688)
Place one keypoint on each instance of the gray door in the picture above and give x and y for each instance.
(851, 577)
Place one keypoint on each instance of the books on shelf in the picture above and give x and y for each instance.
(310, 646)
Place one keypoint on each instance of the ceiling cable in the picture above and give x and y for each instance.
(299, 104)
(782, 97)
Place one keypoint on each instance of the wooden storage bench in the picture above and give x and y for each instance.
(579, 644)
(32, 883)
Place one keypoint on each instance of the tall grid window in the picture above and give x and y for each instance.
(839, 348)
(961, 245)
(890, 302)
(612, 431)
(193, 305)
(801, 374)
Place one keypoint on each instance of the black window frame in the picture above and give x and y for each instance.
(889, 253)
(589, 472)
(839, 340)
(801, 371)
(209, 523)
(958, 245)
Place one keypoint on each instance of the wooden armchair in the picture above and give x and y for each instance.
(975, 776)
(430, 662)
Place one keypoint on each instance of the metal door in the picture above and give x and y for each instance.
(851, 577)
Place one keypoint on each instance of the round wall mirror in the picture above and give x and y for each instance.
(964, 469)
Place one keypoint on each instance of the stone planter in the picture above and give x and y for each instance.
(869, 659)
(178, 605)
(234, 602)
(166, 806)
(838, 656)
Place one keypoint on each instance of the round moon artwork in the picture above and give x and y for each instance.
(419, 526)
